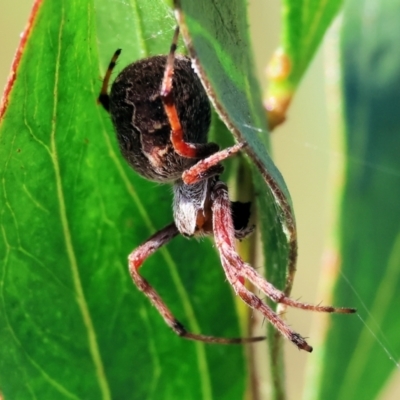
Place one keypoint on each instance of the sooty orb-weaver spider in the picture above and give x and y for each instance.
(162, 115)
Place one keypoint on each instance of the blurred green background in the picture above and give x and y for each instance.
(301, 150)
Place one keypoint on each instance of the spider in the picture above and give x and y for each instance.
(162, 115)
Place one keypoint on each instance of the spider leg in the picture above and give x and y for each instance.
(104, 98)
(276, 295)
(237, 282)
(137, 258)
(237, 271)
(224, 239)
(210, 166)
(184, 149)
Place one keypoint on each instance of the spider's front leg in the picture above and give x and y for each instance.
(210, 158)
(207, 167)
(183, 148)
(104, 98)
(137, 258)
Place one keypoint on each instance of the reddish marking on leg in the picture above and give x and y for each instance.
(201, 172)
(222, 218)
(209, 166)
(181, 147)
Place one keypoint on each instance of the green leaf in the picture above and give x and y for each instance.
(72, 323)
(217, 38)
(360, 356)
(304, 26)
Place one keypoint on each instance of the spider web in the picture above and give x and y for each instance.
(315, 151)
(312, 164)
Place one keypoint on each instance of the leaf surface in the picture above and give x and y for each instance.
(220, 48)
(72, 323)
(217, 37)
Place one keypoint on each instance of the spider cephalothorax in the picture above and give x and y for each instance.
(161, 115)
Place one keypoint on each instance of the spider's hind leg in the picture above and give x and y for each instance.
(104, 98)
(224, 235)
(237, 271)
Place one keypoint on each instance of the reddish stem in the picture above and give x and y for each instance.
(13, 74)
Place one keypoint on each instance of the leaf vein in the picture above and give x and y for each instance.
(73, 263)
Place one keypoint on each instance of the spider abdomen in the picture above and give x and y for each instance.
(142, 127)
